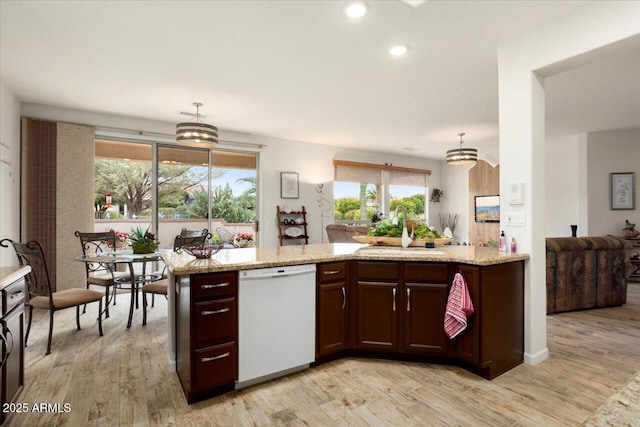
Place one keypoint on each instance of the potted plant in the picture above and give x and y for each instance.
(143, 242)
(244, 240)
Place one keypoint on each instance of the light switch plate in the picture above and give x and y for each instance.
(516, 218)
(516, 193)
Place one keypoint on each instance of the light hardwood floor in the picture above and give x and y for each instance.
(122, 379)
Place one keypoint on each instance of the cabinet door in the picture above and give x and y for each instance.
(424, 309)
(332, 314)
(13, 368)
(468, 342)
(378, 315)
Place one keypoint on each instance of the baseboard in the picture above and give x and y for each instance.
(535, 358)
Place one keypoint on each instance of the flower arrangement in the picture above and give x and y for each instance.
(122, 238)
(143, 242)
(244, 240)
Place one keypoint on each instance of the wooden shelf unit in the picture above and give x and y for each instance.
(288, 219)
(635, 262)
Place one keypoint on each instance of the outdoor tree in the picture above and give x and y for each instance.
(129, 183)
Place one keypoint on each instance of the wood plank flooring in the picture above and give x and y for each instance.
(122, 379)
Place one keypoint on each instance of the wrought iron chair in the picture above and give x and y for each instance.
(41, 294)
(193, 233)
(100, 273)
(226, 237)
(160, 287)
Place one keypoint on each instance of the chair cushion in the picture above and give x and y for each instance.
(105, 279)
(67, 298)
(159, 287)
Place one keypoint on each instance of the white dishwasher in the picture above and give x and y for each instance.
(276, 322)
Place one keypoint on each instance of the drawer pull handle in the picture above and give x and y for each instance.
(344, 298)
(211, 359)
(218, 285)
(16, 295)
(394, 299)
(328, 272)
(408, 299)
(210, 312)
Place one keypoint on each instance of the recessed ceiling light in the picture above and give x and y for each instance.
(355, 9)
(398, 49)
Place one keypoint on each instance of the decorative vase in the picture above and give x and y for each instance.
(144, 247)
(244, 243)
(574, 231)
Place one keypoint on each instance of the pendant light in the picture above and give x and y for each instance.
(197, 134)
(462, 156)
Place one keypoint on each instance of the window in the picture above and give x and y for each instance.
(189, 188)
(364, 191)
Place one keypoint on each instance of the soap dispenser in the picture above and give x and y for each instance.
(503, 242)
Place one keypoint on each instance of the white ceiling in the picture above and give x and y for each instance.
(301, 70)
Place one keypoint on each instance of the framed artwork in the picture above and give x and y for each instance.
(623, 190)
(487, 208)
(289, 185)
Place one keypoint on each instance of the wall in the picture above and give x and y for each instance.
(9, 172)
(588, 34)
(455, 185)
(561, 186)
(311, 161)
(611, 151)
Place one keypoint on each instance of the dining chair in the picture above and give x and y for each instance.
(160, 287)
(193, 233)
(40, 291)
(100, 273)
(226, 237)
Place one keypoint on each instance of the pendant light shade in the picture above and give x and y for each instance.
(197, 134)
(462, 156)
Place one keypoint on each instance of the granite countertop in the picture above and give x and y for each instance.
(276, 256)
(8, 275)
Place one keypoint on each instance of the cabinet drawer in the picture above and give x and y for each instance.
(215, 365)
(215, 319)
(13, 295)
(213, 285)
(426, 273)
(377, 271)
(332, 271)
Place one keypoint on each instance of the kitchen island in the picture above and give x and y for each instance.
(369, 302)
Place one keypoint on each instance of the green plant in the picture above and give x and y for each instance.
(142, 242)
(139, 236)
(436, 194)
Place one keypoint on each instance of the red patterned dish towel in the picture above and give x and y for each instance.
(459, 307)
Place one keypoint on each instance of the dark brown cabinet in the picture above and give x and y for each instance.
(12, 343)
(207, 326)
(425, 291)
(494, 339)
(400, 309)
(332, 308)
(377, 306)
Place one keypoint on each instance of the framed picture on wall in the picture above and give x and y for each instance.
(289, 185)
(623, 190)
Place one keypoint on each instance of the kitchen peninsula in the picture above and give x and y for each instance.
(365, 301)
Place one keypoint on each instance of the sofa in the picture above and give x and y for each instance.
(586, 272)
(338, 233)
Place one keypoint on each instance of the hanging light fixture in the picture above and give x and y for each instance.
(197, 134)
(462, 156)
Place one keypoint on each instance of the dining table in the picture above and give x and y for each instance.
(134, 280)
